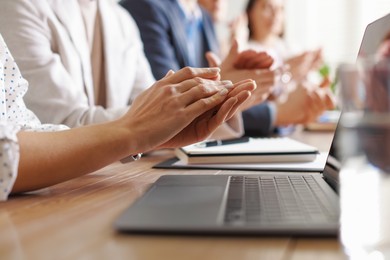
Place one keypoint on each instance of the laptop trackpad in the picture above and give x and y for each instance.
(180, 204)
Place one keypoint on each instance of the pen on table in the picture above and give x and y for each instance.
(223, 142)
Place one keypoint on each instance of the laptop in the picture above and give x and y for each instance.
(375, 34)
(264, 203)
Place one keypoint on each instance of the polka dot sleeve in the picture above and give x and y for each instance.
(9, 158)
(14, 116)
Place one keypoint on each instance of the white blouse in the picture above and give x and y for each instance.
(14, 116)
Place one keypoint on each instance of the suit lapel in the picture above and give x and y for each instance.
(68, 13)
(112, 31)
(178, 28)
(211, 39)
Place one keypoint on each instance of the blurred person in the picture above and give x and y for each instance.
(216, 8)
(178, 33)
(383, 51)
(266, 20)
(84, 60)
(299, 104)
(182, 108)
(237, 26)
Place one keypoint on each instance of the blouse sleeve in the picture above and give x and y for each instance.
(9, 158)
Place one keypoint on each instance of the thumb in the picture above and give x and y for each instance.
(213, 59)
(233, 52)
(169, 73)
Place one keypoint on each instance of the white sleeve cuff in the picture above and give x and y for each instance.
(272, 110)
(9, 158)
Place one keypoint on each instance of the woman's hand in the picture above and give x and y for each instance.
(189, 99)
(302, 64)
(303, 105)
(264, 78)
(251, 59)
(208, 122)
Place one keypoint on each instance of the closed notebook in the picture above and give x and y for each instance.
(257, 150)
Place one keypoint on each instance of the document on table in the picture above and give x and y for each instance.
(253, 151)
(317, 165)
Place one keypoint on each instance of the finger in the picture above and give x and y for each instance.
(260, 63)
(250, 56)
(255, 61)
(244, 85)
(324, 100)
(329, 100)
(169, 73)
(265, 78)
(248, 86)
(202, 91)
(309, 113)
(241, 99)
(233, 53)
(212, 59)
(264, 63)
(191, 83)
(202, 105)
(222, 113)
(243, 57)
(317, 60)
(317, 106)
(315, 102)
(190, 73)
(325, 82)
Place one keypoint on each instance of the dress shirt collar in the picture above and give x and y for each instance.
(195, 14)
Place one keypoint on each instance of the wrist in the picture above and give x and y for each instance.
(128, 140)
(134, 157)
(281, 118)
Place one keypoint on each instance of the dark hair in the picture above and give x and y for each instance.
(248, 9)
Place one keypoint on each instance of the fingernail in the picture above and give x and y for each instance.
(214, 69)
(227, 84)
(254, 83)
(223, 92)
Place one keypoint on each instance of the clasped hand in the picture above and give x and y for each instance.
(184, 107)
(243, 65)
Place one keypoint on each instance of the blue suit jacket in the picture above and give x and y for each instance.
(163, 34)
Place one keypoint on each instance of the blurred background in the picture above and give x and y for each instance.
(336, 26)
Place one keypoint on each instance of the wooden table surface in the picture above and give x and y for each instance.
(74, 220)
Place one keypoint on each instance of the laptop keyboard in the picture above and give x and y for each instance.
(277, 199)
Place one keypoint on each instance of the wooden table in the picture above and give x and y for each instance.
(73, 220)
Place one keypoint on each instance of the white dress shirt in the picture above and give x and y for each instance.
(14, 116)
(48, 40)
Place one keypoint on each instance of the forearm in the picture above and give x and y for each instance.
(52, 157)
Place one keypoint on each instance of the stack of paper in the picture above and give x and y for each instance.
(256, 150)
(315, 166)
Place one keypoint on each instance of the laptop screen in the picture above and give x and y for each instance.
(375, 37)
(376, 41)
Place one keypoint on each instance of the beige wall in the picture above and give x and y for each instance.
(335, 25)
